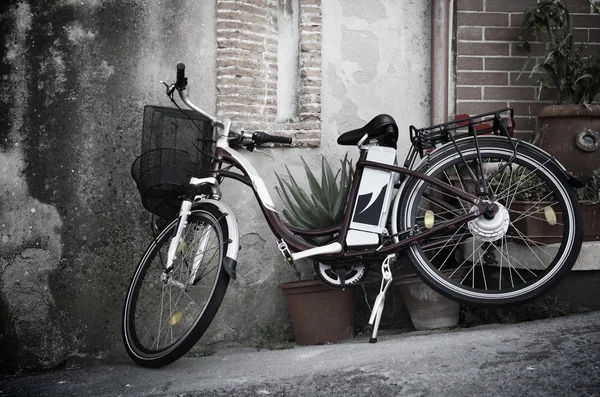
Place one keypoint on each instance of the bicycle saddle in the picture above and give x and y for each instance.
(382, 127)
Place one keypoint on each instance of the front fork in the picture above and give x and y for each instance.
(184, 213)
(177, 240)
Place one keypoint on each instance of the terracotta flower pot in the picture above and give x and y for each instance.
(427, 308)
(571, 133)
(319, 314)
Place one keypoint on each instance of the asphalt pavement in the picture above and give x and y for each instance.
(558, 357)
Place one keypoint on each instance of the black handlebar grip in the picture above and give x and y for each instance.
(261, 137)
(280, 139)
(181, 80)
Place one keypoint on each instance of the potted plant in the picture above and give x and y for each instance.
(319, 313)
(570, 129)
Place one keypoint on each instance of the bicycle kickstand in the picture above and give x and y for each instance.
(386, 281)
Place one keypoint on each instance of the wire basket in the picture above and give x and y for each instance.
(176, 144)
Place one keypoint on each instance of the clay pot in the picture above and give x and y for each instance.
(427, 308)
(571, 133)
(319, 314)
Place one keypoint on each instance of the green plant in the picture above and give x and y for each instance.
(590, 193)
(576, 77)
(324, 205)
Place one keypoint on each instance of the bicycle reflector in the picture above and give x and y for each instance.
(175, 319)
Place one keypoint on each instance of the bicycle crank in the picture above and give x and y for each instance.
(340, 276)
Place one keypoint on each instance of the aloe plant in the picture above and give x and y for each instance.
(324, 205)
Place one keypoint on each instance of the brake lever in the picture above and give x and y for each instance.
(170, 88)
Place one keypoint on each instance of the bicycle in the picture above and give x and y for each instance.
(449, 208)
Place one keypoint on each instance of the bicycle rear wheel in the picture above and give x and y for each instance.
(498, 261)
(165, 314)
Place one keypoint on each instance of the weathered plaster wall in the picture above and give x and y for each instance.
(75, 76)
(375, 60)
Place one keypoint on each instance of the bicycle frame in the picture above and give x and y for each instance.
(290, 242)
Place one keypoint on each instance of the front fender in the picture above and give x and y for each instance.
(233, 232)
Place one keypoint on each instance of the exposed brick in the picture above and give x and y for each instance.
(509, 93)
(310, 28)
(527, 108)
(501, 34)
(227, 63)
(310, 116)
(508, 5)
(240, 26)
(246, 82)
(547, 94)
(592, 20)
(526, 78)
(247, 67)
(469, 63)
(469, 33)
(537, 49)
(516, 19)
(468, 93)
(483, 48)
(246, 35)
(310, 91)
(243, 7)
(244, 45)
(310, 47)
(482, 78)
(505, 63)
(481, 19)
(310, 108)
(239, 108)
(594, 36)
(591, 49)
(228, 15)
(473, 108)
(577, 6)
(223, 90)
(581, 35)
(469, 5)
(239, 72)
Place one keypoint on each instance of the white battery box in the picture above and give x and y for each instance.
(372, 204)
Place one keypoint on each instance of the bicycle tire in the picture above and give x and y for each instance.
(537, 268)
(198, 294)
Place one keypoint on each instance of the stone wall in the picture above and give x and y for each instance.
(268, 66)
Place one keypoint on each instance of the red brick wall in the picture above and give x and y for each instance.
(247, 67)
(488, 64)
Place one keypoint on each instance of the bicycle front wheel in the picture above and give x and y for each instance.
(506, 259)
(166, 313)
